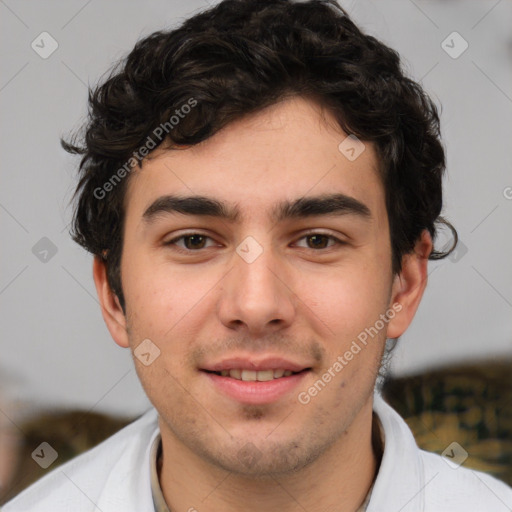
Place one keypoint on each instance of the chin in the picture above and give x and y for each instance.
(264, 460)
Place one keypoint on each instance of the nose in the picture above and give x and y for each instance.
(257, 298)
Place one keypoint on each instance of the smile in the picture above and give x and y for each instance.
(253, 375)
(256, 387)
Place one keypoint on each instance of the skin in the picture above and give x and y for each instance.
(295, 300)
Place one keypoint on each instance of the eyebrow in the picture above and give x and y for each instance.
(328, 204)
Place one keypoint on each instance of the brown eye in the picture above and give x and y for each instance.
(318, 241)
(191, 242)
(194, 241)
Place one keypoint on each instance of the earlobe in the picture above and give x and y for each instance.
(409, 285)
(110, 307)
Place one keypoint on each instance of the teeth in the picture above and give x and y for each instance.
(236, 374)
(249, 375)
(265, 375)
(253, 375)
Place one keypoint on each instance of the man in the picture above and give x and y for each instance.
(261, 190)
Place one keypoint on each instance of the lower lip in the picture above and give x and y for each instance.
(255, 392)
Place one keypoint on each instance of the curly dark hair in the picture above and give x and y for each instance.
(235, 59)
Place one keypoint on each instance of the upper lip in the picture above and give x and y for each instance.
(253, 363)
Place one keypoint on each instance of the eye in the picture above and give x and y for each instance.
(190, 241)
(320, 241)
(193, 242)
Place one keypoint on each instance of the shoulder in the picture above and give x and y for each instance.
(108, 473)
(411, 479)
(449, 485)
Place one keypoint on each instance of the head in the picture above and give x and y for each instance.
(231, 215)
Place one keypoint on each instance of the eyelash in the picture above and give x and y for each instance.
(336, 240)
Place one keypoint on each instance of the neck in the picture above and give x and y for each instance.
(338, 480)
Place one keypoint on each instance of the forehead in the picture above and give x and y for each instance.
(289, 150)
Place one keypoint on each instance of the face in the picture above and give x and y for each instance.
(270, 275)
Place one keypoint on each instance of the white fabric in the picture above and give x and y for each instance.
(115, 477)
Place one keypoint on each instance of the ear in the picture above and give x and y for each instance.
(110, 306)
(409, 285)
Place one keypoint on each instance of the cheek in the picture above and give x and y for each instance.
(346, 300)
(164, 302)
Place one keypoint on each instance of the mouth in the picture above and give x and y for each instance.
(255, 382)
(256, 375)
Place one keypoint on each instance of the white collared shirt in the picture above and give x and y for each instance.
(115, 476)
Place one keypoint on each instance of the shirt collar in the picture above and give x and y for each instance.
(156, 491)
(401, 480)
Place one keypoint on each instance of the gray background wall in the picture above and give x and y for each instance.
(55, 349)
